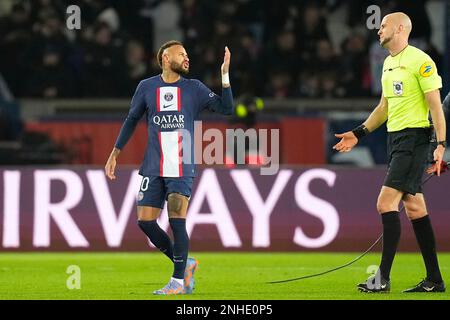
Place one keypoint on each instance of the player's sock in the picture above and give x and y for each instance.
(157, 236)
(180, 246)
(427, 243)
(391, 237)
(179, 281)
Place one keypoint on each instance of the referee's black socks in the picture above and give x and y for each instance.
(427, 243)
(391, 238)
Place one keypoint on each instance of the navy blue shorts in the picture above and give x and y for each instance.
(154, 190)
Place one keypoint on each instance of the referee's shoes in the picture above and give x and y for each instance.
(427, 286)
(375, 284)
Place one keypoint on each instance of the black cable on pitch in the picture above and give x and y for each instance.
(354, 260)
(334, 269)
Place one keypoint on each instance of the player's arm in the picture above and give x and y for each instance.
(349, 139)
(111, 163)
(225, 69)
(137, 109)
(225, 103)
(433, 99)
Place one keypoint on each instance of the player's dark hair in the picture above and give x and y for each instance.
(166, 45)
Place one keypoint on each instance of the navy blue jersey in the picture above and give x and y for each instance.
(171, 109)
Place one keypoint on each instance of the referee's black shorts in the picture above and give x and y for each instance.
(407, 158)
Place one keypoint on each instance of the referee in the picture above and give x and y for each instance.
(410, 91)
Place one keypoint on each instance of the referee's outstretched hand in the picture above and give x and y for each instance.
(348, 141)
(434, 168)
(438, 155)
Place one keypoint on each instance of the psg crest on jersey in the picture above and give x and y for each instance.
(398, 88)
(168, 96)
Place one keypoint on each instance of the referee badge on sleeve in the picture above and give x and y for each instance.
(398, 88)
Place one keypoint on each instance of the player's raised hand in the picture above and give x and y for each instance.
(348, 141)
(226, 61)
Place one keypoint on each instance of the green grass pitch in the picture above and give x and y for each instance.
(221, 276)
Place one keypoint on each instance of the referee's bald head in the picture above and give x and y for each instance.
(394, 26)
(401, 21)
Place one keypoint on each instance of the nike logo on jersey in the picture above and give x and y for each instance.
(167, 106)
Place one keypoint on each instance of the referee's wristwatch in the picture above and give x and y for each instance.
(442, 143)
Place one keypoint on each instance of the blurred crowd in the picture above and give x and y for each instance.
(284, 48)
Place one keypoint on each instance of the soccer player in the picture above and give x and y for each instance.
(411, 86)
(171, 104)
